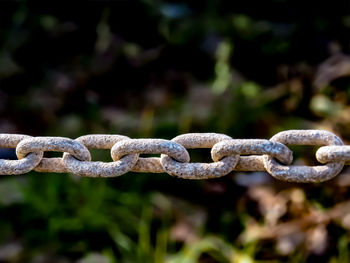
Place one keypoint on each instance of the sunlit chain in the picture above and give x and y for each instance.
(228, 154)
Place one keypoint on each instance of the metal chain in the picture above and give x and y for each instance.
(228, 154)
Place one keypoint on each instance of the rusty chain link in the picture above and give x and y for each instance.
(228, 154)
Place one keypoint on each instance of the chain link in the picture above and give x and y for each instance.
(28, 163)
(293, 173)
(228, 154)
(100, 169)
(200, 170)
(53, 144)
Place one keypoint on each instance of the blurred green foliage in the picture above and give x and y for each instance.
(155, 68)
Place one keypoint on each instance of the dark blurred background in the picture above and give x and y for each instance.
(153, 68)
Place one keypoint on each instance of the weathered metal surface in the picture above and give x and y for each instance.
(149, 146)
(100, 169)
(304, 174)
(200, 140)
(53, 144)
(327, 154)
(28, 163)
(199, 170)
(251, 147)
(228, 155)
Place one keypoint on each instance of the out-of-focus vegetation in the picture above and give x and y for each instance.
(158, 69)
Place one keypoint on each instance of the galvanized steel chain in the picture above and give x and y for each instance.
(228, 154)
